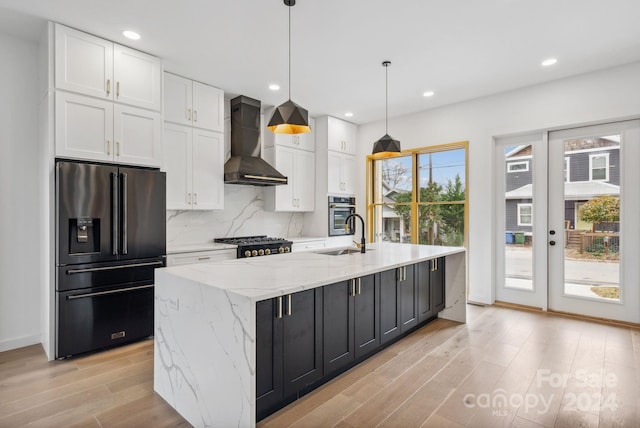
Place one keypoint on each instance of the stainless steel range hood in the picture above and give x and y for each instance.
(245, 166)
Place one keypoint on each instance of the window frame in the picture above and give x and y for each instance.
(509, 164)
(519, 213)
(414, 204)
(567, 170)
(606, 167)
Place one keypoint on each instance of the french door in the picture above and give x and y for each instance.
(573, 203)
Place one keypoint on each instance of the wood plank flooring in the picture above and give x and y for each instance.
(504, 368)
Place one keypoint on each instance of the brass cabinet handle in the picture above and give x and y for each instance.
(108, 87)
(195, 115)
(279, 307)
(195, 199)
(289, 304)
(359, 285)
(117, 89)
(109, 147)
(117, 148)
(188, 114)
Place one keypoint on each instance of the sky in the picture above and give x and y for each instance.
(444, 166)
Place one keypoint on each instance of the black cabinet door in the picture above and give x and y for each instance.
(302, 340)
(423, 274)
(407, 288)
(367, 319)
(269, 379)
(390, 326)
(437, 285)
(338, 320)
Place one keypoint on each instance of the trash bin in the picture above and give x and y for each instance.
(519, 237)
(509, 237)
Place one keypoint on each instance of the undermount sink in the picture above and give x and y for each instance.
(341, 251)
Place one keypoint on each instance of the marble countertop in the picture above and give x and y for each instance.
(262, 278)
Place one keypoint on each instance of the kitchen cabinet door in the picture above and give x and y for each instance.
(437, 281)
(341, 136)
(338, 325)
(305, 180)
(138, 78)
(83, 127)
(137, 136)
(423, 274)
(177, 164)
(285, 194)
(390, 324)
(269, 357)
(302, 340)
(83, 63)
(340, 173)
(299, 167)
(408, 298)
(208, 170)
(366, 314)
(208, 107)
(177, 99)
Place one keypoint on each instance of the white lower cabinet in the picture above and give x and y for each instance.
(299, 168)
(194, 162)
(92, 129)
(340, 173)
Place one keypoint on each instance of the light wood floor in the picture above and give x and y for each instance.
(505, 367)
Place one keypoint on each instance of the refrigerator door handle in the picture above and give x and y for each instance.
(114, 212)
(98, 269)
(125, 246)
(102, 293)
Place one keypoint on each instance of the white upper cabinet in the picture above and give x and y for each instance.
(194, 162)
(93, 129)
(299, 168)
(341, 173)
(89, 65)
(341, 136)
(192, 103)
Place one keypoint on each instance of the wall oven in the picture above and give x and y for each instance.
(340, 207)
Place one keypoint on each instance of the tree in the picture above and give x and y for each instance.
(395, 174)
(602, 209)
(453, 214)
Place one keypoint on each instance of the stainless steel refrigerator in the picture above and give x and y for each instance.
(110, 237)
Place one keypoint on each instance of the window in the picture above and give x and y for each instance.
(567, 170)
(518, 166)
(419, 197)
(599, 167)
(525, 214)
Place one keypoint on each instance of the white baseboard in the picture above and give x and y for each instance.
(9, 344)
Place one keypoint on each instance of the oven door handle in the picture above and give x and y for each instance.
(341, 206)
(104, 293)
(98, 269)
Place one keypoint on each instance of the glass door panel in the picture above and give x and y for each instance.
(593, 225)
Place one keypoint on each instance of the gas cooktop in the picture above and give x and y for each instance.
(260, 245)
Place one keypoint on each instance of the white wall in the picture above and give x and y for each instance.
(20, 255)
(595, 97)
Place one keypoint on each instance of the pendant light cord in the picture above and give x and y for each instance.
(386, 98)
(290, 52)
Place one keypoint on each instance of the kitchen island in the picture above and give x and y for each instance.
(205, 320)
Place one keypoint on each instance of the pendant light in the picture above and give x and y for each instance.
(289, 117)
(386, 146)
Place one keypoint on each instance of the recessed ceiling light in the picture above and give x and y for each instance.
(274, 87)
(348, 114)
(549, 61)
(428, 94)
(131, 35)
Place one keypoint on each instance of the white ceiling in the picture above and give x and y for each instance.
(461, 49)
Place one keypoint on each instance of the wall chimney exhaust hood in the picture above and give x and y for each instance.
(245, 166)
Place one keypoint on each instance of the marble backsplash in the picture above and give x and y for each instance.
(243, 215)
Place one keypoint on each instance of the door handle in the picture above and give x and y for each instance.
(552, 242)
(552, 232)
(125, 246)
(114, 212)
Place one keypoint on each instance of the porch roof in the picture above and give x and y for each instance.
(573, 190)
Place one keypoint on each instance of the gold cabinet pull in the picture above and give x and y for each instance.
(117, 148)
(117, 89)
(359, 285)
(189, 114)
(195, 115)
(108, 87)
(109, 147)
(279, 307)
(289, 305)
